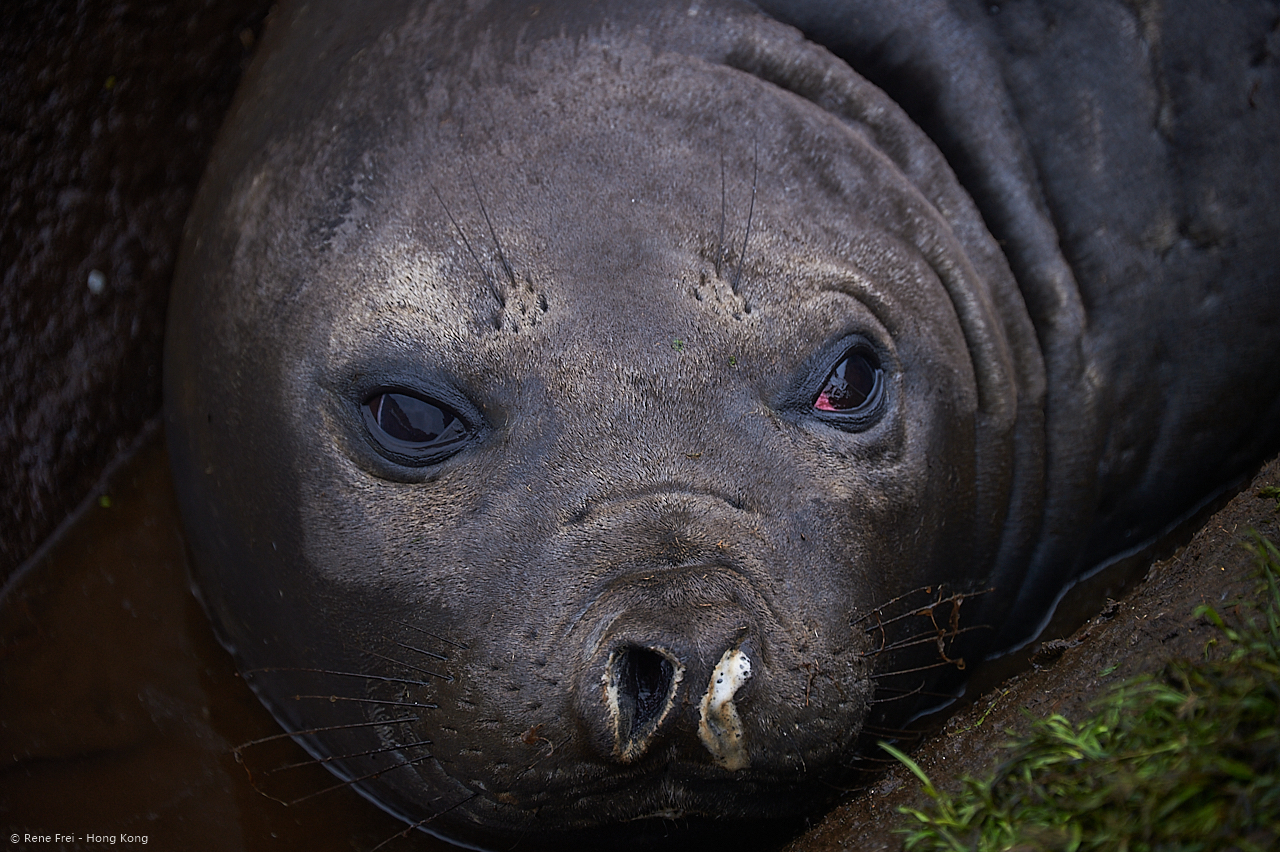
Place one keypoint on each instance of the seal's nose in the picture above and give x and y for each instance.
(666, 662)
(677, 623)
(642, 689)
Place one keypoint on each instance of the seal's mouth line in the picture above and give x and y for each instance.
(674, 778)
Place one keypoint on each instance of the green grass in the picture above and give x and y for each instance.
(1186, 760)
(1271, 492)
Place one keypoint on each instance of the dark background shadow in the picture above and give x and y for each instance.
(108, 111)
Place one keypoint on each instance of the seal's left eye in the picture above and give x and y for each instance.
(852, 386)
(413, 429)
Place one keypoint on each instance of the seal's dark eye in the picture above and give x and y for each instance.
(413, 429)
(853, 386)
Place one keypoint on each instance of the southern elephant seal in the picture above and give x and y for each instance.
(589, 417)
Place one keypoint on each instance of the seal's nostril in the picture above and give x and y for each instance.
(644, 682)
(641, 688)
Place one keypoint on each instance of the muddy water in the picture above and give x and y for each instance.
(119, 711)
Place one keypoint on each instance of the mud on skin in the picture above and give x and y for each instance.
(593, 422)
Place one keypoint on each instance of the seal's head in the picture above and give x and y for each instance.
(574, 419)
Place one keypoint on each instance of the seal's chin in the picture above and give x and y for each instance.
(691, 806)
(677, 805)
(678, 790)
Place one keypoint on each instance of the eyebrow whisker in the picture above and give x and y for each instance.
(723, 211)
(488, 279)
(746, 235)
(502, 258)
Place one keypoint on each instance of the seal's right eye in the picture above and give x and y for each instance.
(853, 385)
(413, 430)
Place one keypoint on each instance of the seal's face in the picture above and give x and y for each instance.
(574, 472)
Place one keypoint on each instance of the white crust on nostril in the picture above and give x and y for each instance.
(720, 729)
